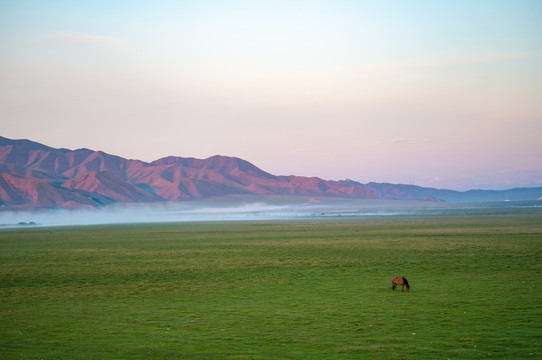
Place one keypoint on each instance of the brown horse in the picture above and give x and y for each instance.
(400, 281)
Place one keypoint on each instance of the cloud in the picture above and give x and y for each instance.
(77, 39)
(401, 140)
(408, 140)
(484, 59)
(393, 67)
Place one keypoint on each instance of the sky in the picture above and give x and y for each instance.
(445, 94)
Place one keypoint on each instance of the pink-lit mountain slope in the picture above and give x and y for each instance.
(33, 175)
(114, 179)
(33, 194)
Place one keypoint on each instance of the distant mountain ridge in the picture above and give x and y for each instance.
(33, 176)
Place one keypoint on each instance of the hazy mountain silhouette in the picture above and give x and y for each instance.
(34, 175)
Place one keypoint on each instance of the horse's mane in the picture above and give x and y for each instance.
(406, 282)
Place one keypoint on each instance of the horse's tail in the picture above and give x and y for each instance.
(406, 283)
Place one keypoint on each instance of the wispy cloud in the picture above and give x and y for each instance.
(77, 39)
(408, 140)
(484, 59)
(392, 67)
(401, 140)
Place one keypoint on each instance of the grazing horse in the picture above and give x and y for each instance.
(400, 281)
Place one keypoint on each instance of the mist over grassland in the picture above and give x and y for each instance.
(239, 208)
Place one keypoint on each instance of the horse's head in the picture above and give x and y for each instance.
(405, 281)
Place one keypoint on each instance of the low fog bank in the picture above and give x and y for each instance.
(192, 212)
(127, 214)
(182, 212)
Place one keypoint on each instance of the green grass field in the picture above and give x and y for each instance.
(316, 289)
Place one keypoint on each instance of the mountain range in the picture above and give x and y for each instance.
(34, 176)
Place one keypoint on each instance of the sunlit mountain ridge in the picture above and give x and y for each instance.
(34, 176)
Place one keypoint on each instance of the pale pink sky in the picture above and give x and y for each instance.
(444, 94)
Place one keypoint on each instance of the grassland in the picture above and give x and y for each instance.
(276, 290)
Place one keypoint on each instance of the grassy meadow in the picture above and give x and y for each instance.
(314, 289)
